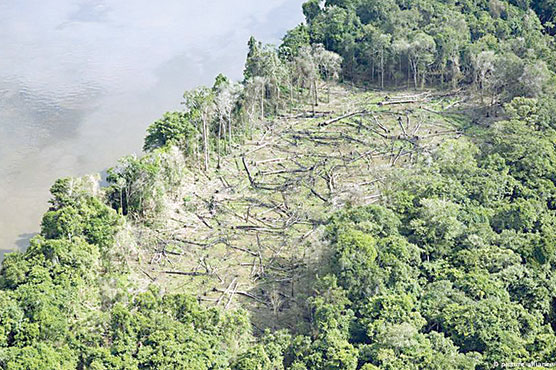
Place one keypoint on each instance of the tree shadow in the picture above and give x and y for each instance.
(22, 241)
(21, 245)
(3, 252)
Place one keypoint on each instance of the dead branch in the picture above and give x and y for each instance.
(255, 254)
(245, 294)
(256, 228)
(397, 157)
(380, 124)
(248, 173)
(226, 291)
(231, 296)
(417, 128)
(392, 102)
(402, 127)
(277, 172)
(271, 160)
(370, 129)
(147, 274)
(304, 115)
(203, 221)
(319, 196)
(259, 147)
(330, 121)
(224, 182)
(190, 242)
(185, 273)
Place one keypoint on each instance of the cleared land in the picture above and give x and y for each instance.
(249, 231)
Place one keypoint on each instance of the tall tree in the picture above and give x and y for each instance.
(328, 63)
(226, 98)
(306, 70)
(421, 55)
(199, 103)
(484, 72)
(293, 40)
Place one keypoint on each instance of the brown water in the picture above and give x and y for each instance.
(81, 80)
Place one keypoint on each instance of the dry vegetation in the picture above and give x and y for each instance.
(251, 230)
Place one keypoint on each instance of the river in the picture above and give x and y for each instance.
(81, 80)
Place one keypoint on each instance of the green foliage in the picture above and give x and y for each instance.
(138, 185)
(329, 351)
(170, 332)
(546, 10)
(436, 226)
(255, 358)
(135, 187)
(38, 357)
(454, 269)
(311, 9)
(438, 42)
(175, 128)
(53, 314)
(294, 40)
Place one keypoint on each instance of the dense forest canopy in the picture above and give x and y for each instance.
(546, 10)
(498, 46)
(452, 268)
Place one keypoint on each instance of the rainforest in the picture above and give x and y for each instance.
(378, 192)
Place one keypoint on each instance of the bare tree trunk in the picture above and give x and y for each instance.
(219, 139)
(408, 71)
(205, 142)
(279, 101)
(442, 75)
(196, 150)
(291, 97)
(316, 93)
(262, 103)
(121, 201)
(311, 97)
(230, 130)
(382, 68)
(415, 73)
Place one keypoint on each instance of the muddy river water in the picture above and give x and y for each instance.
(81, 80)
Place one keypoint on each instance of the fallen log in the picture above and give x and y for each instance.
(392, 102)
(318, 195)
(245, 294)
(330, 121)
(185, 273)
(256, 228)
(226, 291)
(248, 173)
(243, 250)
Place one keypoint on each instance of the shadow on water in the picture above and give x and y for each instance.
(3, 252)
(67, 83)
(22, 242)
(103, 178)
